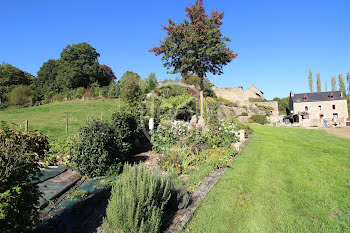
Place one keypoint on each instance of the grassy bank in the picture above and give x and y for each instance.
(50, 118)
(285, 180)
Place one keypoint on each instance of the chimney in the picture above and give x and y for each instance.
(291, 93)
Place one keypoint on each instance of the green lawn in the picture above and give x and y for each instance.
(285, 180)
(50, 118)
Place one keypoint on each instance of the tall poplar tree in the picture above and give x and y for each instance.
(325, 85)
(310, 80)
(334, 83)
(348, 81)
(195, 45)
(341, 84)
(318, 82)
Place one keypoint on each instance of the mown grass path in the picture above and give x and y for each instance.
(285, 180)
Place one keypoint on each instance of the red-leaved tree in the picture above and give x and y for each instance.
(195, 45)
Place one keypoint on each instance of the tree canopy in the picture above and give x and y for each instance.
(79, 67)
(195, 45)
(10, 77)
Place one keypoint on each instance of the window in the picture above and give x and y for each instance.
(333, 106)
(335, 115)
(331, 96)
(321, 116)
(319, 107)
(305, 98)
(306, 108)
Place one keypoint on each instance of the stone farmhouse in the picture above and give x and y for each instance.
(318, 108)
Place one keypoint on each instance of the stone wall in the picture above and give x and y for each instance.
(273, 104)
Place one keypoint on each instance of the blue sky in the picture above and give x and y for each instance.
(277, 41)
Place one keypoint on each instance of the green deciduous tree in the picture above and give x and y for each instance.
(341, 84)
(46, 80)
(310, 81)
(334, 83)
(10, 77)
(79, 67)
(150, 82)
(318, 82)
(195, 45)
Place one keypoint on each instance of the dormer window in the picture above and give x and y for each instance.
(305, 98)
(331, 96)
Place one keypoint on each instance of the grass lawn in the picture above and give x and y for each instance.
(285, 180)
(50, 118)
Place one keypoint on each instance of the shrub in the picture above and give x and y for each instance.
(244, 114)
(256, 100)
(260, 119)
(140, 201)
(212, 115)
(180, 107)
(227, 102)
(97, 149)
(20, 153)
(131, 92)
(21, 96)
(239, 125)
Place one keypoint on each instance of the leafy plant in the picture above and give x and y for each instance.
(96, 148)
(20, 153)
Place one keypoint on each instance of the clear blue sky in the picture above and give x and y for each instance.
(277, 41)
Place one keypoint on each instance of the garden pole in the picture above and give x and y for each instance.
(66, 125)
(26, 126)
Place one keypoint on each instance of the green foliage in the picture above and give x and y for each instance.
(256, 100)
(260, 119)
(97, 149)
(79, 67)
(131, 92)
(334, 83)
(61, 150)
(21, 96)
(46, 80)
(20, 154)
(227, 102)
(78, 193)
(171, 89)
(212, 115)
(150, 83)
(195, 45)
(283, 105)
(140, 202)
(10, 77)
(310, 81)
(341, 84)
(318, 82)
(244, 114)
(239, 125)
(179, 107)
(194, 79)
(267, 109)
(127, 76)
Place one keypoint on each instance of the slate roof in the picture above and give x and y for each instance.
(318, 96)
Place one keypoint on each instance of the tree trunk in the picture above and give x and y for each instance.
(201, 95)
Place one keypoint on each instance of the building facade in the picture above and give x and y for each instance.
(319, 108)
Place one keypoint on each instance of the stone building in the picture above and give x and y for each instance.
(237, 95)
(319, 108)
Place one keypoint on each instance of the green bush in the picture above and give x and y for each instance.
(131, 92)
(256, 100)
(141, 201)
(227, 102)
(97, 149)
(244, 114)
(180, 107)
(21, 96)
(260, 119)
(20, 153)
(239, 125)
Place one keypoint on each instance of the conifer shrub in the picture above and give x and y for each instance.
(20, 153)
(141, 200)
